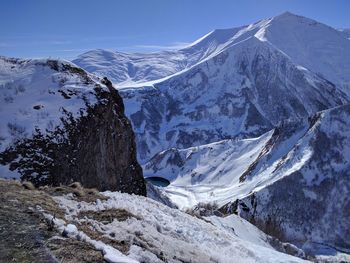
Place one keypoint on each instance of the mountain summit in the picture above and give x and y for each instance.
(306, 42)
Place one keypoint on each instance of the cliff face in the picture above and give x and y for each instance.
(106, 158)
(83, 135)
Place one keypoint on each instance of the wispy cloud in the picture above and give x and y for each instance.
(171, 46)
(109, 38)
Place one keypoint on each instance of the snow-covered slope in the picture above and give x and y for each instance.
(308, 43)
(207, 173)
(152, 232)
(231, 83)
(33, 94)
(313, 45)
(243, 91)
(60, 124)
(293, 182)
(127, 69)
(310, 202)
(207, 164)
(217, 172)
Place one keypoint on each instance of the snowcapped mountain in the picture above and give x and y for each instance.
(292, 182)
(242, 92)
(239, 83)
(240, 125)
(28, 90)
(232, 82)
(130, 69)
(59, 124)
(313, 45)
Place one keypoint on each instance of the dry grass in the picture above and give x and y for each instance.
(80, 193)
(43, 188)
(28, 185)
(13, 190)
(16, 195)
(122, 245)
(73, 251)
(56, 189)
(107, 216)
(17, 204)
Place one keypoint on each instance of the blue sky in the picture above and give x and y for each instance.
(66, 28)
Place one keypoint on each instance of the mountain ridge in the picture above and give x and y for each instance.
(188, 57)
(60, 124)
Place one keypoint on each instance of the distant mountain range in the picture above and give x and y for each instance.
(304, 41)
(239, 83)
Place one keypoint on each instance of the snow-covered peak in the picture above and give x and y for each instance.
(314, 45)
(290, 16)
(308, 43)
(213, 39)
(128, 69)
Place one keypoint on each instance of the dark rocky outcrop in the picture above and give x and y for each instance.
(96, 148)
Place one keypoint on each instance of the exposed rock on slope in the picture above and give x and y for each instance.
(292, 182)
(263, 83)
(237, 82)
(63, 125)
(242, 92)
(313, 45)
(310, 203)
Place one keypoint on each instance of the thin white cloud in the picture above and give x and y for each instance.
(172, 46)
(109, 38)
